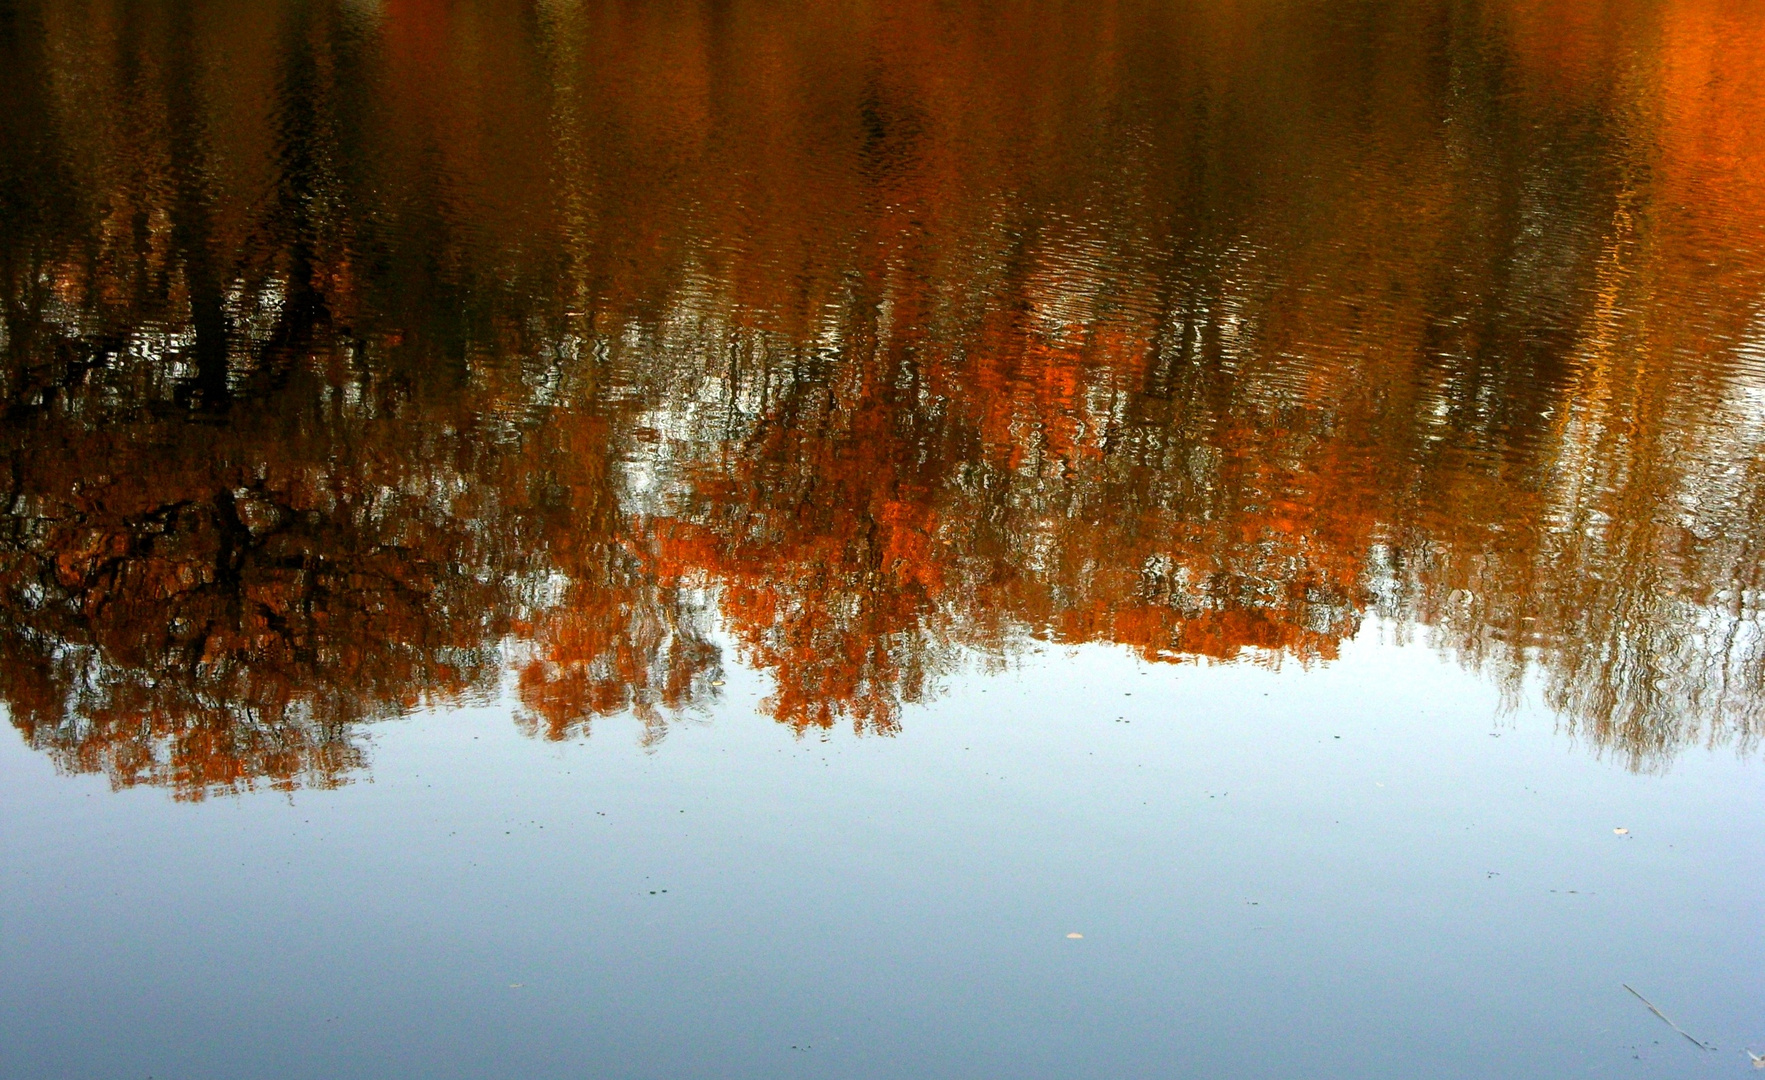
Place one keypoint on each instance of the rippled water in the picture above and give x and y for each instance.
(942, 453)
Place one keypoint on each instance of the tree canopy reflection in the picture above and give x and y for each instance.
(358, 357)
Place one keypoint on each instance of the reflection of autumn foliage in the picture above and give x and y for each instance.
(617, 640)
(354, 356)
(211, 603)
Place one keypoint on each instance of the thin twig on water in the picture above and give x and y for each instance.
(1700, 1045)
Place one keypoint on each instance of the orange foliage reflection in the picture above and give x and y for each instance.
(362, 356)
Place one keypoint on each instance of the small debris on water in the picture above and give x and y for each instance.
(1699, 1043)
(1074, 937)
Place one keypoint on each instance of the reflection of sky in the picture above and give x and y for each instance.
(1268, 868)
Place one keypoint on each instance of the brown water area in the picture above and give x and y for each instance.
(361, 357)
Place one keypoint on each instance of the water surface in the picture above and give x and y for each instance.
(978, 473)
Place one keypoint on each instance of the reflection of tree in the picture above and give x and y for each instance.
(350, 363)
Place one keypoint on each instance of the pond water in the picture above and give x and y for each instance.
(1215, 538)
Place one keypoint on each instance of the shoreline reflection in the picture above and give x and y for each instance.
(355, 355)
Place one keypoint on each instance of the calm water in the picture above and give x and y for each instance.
(1216, 538)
